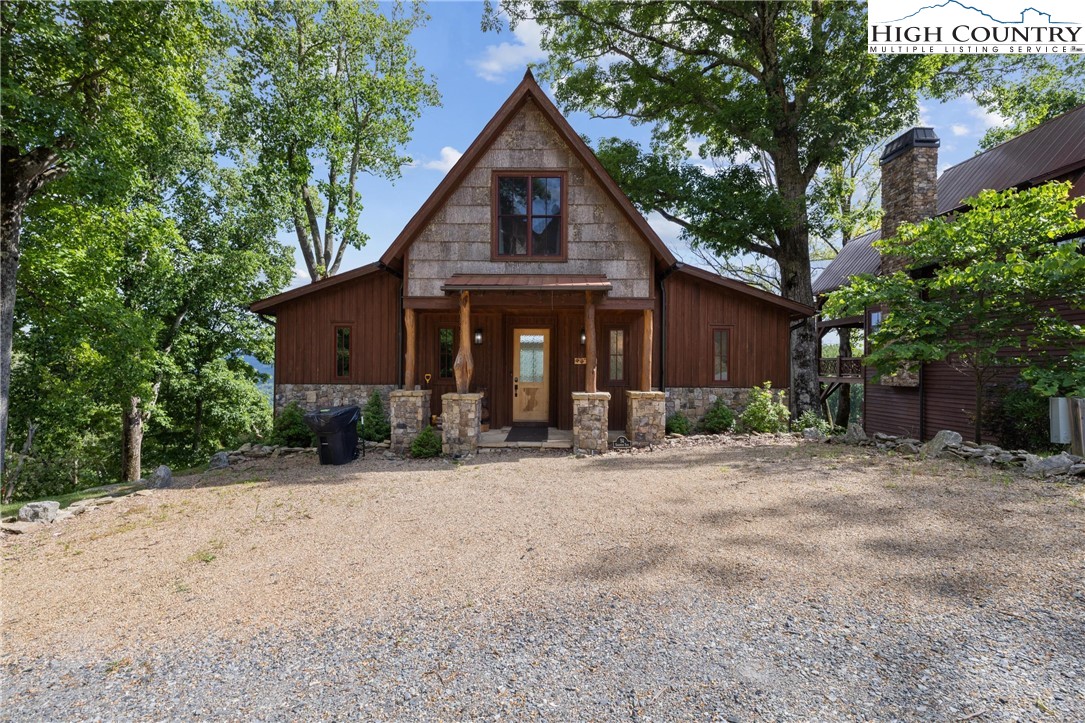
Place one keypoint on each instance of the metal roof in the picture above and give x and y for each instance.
(918, 136)
(858, 257)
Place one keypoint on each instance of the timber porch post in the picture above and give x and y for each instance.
(589, 342)
(408, 366)
(646, 354)
(465, 365)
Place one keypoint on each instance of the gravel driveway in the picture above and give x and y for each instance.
(760, 579)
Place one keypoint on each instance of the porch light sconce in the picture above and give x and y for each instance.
(583, 337)
(478, 337)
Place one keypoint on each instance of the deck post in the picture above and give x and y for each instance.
(408, 366)
(464, 367)
(589, 343)
(646, 354)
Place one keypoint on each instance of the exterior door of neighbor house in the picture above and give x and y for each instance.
(530, 379)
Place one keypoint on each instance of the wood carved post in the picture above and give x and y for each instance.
(408, 367)
(589, 332)
(646, 354)
(465, 365)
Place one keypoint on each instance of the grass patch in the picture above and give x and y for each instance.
(207, 554)
(12, 508)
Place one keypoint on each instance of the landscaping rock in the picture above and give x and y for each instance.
(945, 438)
(39, 512)
(162, 477)
(1033, 464)
(1058, 464)
(813, 434)
(219, 460)
(1077, 469)
(907, 448)
(855, 434)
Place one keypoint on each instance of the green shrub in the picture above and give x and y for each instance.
(1018, 417)
(678, 423)
(375, 426)
(719, 419)
(763, 413)
(810, 418)
(290, 429)
(426, 444)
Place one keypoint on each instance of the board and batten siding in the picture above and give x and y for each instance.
(305, 333)
(458, 238)
(758, 342)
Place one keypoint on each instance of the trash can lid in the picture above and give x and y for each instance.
(332, 419)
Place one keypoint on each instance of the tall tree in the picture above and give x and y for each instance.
(98, 91)
(789, 81)
(326, 92)
(987, 298)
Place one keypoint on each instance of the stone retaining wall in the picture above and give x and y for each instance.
(590, 421)
(461, 416)
(316, 396)
(409, 415)
(646, 418)
(695, 402)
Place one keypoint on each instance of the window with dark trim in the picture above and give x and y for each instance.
(721, 339)
(530, 216)
(616, 355)
(446, 353)
(342, 351)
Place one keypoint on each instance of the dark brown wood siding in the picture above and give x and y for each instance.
(758, 341)
(305, 333)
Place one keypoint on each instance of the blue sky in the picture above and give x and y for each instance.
(475, 72)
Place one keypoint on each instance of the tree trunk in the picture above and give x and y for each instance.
(11, 218)
(28, 446)
(131, 461)
(843, 401)
(197, 426)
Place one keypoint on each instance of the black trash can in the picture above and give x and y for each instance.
(336, 429)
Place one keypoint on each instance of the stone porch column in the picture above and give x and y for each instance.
(646, 417)
(461, 423)
(590, 421)
(409, 412)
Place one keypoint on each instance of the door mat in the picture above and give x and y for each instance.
(527, 434)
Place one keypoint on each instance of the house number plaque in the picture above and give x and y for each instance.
(580, 360)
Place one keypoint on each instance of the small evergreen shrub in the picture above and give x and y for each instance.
(375, 426)
(290, 429)
(678, 423)
(719, 419)
(763, 413)
(810, 418)
(1018, 417)
(426, 444)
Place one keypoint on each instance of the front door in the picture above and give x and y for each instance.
(530, 382)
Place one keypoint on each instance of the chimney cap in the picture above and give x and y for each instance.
(918, 137)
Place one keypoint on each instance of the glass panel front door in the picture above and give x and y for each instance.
(530, 375)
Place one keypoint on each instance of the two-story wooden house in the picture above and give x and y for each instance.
(532, 268)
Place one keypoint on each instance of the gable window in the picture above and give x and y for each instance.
(530, 215)
(342, 351)
(720, 357)
(616, 355)
(446, 353)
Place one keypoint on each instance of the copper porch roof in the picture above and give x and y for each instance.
(526, 282)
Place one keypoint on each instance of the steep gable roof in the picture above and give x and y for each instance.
(527, 91)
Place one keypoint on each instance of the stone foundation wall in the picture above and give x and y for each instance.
(695, 402)
(646, 417)
(461, 423)
(409, 412)
(590, 421)
(317, 396)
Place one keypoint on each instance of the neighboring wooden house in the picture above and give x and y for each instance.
(529, 262)
(939, 397)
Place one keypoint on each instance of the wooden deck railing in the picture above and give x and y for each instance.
(847, 367)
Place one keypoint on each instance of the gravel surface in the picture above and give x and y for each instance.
(760, 579)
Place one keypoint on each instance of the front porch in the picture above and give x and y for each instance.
(552, 438)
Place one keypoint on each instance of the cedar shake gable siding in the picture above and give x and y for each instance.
(599, 239)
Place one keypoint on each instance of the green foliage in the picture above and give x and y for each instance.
(329, 87)
(810, 418)
(1018, 417)
(1057, 375)
(678, 423)
(763, 413)
(290, 429)
(718, 419)
(985, 304)
(375, 425)
(426, 444)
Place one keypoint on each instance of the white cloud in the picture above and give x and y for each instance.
(449, 156)
(924, 115)
(959, 129)
(497, 61)
(987, 119)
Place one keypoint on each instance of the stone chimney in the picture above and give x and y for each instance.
(909, 184)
